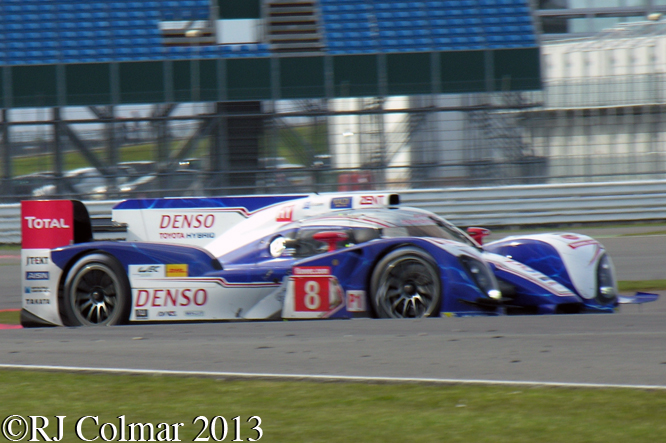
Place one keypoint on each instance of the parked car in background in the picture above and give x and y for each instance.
(83, 183)
(133, 179)
(278, 175)
(23, 186)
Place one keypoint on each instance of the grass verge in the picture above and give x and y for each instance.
(341, 412)
(641, 285)
(10, 318)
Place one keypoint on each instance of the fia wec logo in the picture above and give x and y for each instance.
(146, 271)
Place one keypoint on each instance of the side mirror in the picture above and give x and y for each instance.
(478, 233)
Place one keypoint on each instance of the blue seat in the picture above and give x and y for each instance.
(66, 16)
(120, 24)
(71, 53)
(15, 36)
(18, 45)
(83, 16)
(119, 15)
(491, 20)
(102, 33)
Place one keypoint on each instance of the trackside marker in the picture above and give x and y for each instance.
(317, 377)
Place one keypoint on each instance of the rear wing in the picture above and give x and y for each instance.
(200, 221)
(48, 224)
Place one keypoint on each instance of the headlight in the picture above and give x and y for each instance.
(606, 286)
(481, 275)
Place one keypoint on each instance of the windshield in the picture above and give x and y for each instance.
(433, 228)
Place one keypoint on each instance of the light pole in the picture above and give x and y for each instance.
(193, 35)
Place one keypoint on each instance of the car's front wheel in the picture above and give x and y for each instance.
(96, 292)
(406, 284)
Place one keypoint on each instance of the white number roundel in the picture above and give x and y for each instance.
(312, 298)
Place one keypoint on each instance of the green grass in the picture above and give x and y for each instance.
(74, 159)
(343, 412)
(641, 285)
(643, 234)
(10, 318)
(292, 147)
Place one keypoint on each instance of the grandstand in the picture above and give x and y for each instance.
(47, 32)
(61, 53)
(50, 32)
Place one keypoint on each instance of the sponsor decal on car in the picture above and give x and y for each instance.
(163, 298)
(34, 275)
(582, 243)
(194, 313)
(167, 314)
(286, 214)
(40, 232)
(37, 301)
(46, 223)
(367, 200)
(37, 290)
(186, 221)
(36, 261)
(141, 313)
(356, 301)
(312, 270)
(177, 270)
(147, 271)
(341, 203)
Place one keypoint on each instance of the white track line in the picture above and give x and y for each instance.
(321, 377)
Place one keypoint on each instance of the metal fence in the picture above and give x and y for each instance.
(416, 142)
(499, 206)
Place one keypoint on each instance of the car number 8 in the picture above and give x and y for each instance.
(312, 298)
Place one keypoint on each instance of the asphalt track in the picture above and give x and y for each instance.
(624, 349)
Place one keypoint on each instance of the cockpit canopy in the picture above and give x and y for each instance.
(303, 239)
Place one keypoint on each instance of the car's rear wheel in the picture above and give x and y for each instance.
(406, 284)
(96, 292)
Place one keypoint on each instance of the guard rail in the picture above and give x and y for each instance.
(519, 205)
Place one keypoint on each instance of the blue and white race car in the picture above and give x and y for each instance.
(294, 257)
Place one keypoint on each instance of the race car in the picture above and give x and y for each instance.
(295, 257)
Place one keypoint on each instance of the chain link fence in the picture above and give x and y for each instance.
(565, 133)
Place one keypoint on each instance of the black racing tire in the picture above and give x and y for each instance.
(96, 292)
(406, 284)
